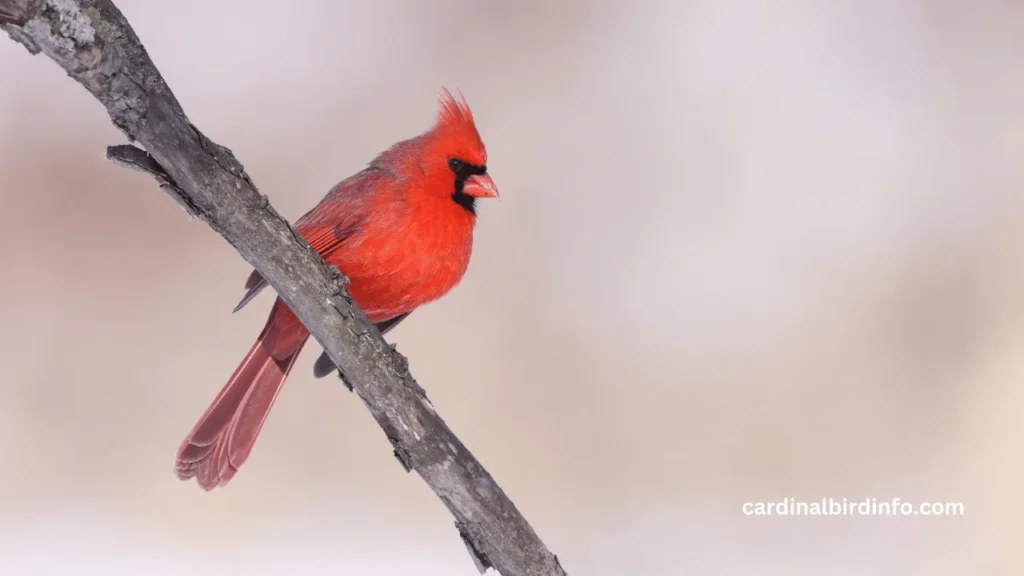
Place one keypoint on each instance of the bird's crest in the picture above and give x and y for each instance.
(454, 113)
(455, 132)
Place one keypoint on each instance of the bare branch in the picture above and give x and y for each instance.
(94, 43)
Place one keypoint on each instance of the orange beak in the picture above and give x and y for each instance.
(480, 186)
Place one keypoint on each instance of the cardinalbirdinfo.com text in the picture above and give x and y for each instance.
(845, 507)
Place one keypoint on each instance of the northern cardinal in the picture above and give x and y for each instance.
(401, 230)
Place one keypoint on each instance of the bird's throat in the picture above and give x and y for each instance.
(467, 202)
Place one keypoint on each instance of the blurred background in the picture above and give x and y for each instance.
(745, 251)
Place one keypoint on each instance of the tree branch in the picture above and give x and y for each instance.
(94, 43)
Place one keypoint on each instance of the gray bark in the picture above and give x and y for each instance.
(94, 43)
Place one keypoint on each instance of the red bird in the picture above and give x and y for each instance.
(401, 230)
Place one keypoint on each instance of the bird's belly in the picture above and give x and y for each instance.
(396, 282)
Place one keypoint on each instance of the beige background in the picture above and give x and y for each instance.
(744, 251)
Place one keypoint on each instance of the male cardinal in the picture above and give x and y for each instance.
(401, 230)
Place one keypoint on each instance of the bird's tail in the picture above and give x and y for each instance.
(224, 436)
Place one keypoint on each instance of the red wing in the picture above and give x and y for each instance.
(327, 240)
(334, 220)
(324, 241)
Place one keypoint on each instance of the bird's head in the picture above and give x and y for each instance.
(456, 156)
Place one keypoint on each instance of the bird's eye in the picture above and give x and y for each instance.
(457, 166)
